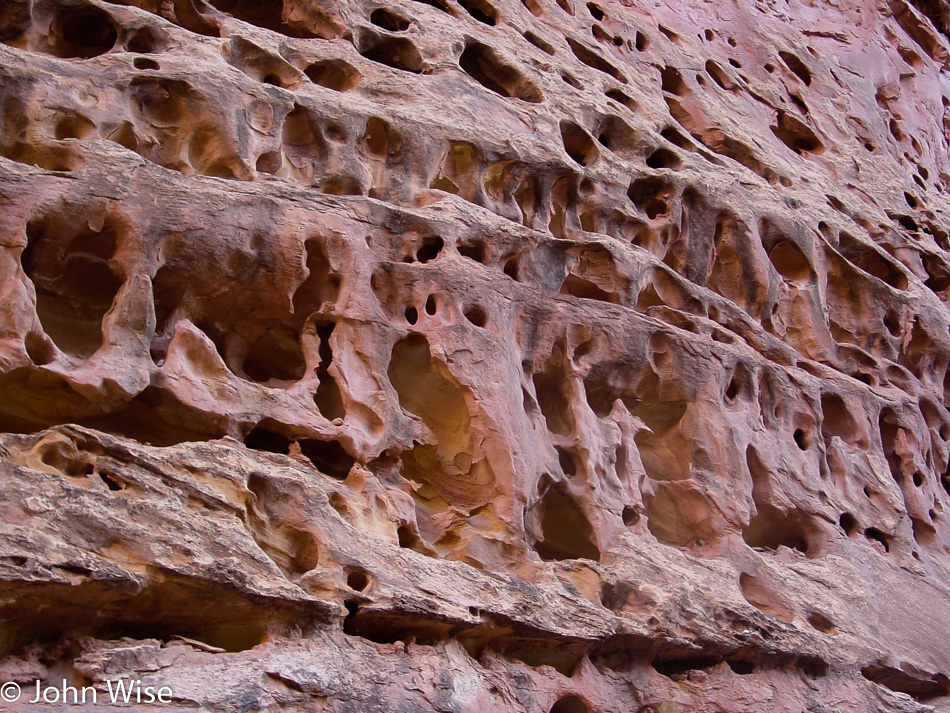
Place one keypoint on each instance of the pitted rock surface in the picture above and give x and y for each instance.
(477, 355)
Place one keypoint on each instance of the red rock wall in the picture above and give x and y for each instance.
(476, 355)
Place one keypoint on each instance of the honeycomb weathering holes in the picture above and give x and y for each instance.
(594, 60)
(796, 135)
(566, 533)
(578, 143)
(74, 282)
(82, 32)
(481, 10)
(393, 51)
(389, 20)
(794, 63)
(540, 43)
(285, 19)
(664, 158)
(548, 373)
(570, 704)
(333, 74)
(483, 64)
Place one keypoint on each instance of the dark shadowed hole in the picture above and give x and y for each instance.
(919, 687)
(797, 66)
(670, 35)
(438, 5)
(621, 98)
(269, 162)
(329, 398)
(649, 194)
(566, 461)
(570, 704)
(848, 523)
(74, 126)
(672, 667)
(813, 667)
(145, 63)
(388, 20)
(275, 355)
(333, 74)
(473, 251)
(578, 143)
(595, 11)
(396, 52)
(594, 60)
(144, 41)
(572, 80)
(837, 419)
(579, 287)
(328, 457)
(742, 668)
(672, 81)
(476, 315)
(541, 44)
(675, 137)
(821, 622)
(352, 609)
(732, 391)
(74, 284)
(907, 222)
(430, 250)
(485, 66)
(409, 538)
(357, 580)
(412, 315)
(800, 439)
(630, 516)
(797, 135)
(567, 533)
(664, 158)
(872, 533)
(87, 32)
(111, 482)
(789, 261)
(260, 439)
(480, 10)
(771, 529)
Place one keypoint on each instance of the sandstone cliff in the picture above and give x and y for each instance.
(476, 355)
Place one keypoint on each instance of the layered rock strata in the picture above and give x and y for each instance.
(476, 355)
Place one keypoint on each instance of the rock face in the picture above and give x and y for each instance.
(476, 355)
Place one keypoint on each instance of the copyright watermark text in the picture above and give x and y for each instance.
(124, 691)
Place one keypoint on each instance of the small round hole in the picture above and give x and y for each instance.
(357, 580)
(145, 63)
(800, 439)
(476, 315)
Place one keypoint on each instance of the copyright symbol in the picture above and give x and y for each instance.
(10, 692)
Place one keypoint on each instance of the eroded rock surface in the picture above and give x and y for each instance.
(477, 355)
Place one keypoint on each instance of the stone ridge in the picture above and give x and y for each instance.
(477, 355)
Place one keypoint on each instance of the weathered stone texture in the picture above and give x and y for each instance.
(477, 355)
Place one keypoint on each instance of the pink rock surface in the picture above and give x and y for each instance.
(384, 355)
